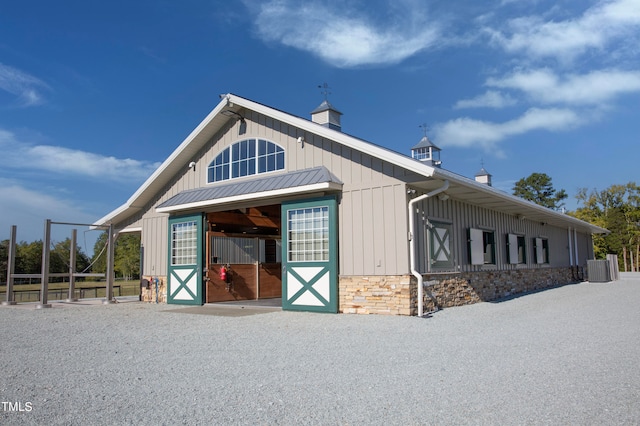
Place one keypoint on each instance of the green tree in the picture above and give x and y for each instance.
(29, 257)
(617, 209)
(127, 258)
(127, 255)
(539, 189)
(4, 258)
(60, 256)
(100, 254)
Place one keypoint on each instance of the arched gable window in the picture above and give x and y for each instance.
(245, 158)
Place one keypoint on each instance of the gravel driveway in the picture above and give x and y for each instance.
(569, 355)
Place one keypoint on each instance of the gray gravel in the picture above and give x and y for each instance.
(569, 355)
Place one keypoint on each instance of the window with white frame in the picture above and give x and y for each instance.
(308, 235)
(482, 247)
(422, 154)
(516, 248)
(184, 243)
(245, 158)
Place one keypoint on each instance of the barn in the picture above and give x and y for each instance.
(257, 203)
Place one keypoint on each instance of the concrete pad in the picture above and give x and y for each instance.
(226, 310)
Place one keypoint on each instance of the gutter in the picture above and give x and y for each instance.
(412, 243)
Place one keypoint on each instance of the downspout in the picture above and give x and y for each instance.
(574, 275)
(412, 243)
(575, 247)
(570, 248)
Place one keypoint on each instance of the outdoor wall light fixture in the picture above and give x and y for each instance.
(230, 113)
(243, 124)
(443, 197)
(192, 165)
(301, 141)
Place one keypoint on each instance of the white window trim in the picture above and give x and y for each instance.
(255, 159)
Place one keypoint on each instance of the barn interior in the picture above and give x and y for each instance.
(244, 254)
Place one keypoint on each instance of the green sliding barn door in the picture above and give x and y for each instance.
(185, 284)
(310, 255)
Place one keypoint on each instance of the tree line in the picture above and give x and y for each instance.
(616, 208)
(29, 258)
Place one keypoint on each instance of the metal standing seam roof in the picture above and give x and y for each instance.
(295, 179)
(425, 143)
(324, 106)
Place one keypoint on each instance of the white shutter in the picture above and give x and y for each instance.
(539, 251)
(513, 248)
(476, 246)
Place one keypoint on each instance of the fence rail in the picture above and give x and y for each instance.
(45, 274)
(61, 293)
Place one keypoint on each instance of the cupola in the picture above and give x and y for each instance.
(427, 152)
(326, 115)
(483, 176)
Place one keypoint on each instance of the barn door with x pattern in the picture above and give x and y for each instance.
(440, 239)
(310, 255)
(185, 284)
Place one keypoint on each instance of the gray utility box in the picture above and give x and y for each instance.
(598, 271)
(603, 271)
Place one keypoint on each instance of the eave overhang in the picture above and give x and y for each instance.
(485, 196)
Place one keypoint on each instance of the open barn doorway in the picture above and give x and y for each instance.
(244, 254)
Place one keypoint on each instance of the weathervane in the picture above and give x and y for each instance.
(424, 128)
(325, 90)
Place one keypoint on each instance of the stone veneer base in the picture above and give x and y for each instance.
(397, 294)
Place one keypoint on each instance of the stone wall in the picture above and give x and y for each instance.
(389, 295)
(448, 290)
(397, 295)
(149, 294)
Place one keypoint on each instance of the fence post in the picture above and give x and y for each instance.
(44, 276)
(110, 267)
(11, 261)
(72, 267)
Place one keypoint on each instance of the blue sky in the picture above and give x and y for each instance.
(95, 95)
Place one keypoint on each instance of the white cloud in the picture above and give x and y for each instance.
(65, 161)
(346, 38)
(24, 86)
(20, 202)
(467, 132)
(566, 39)
(27, 208)
(490, 99)
(596, 87)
